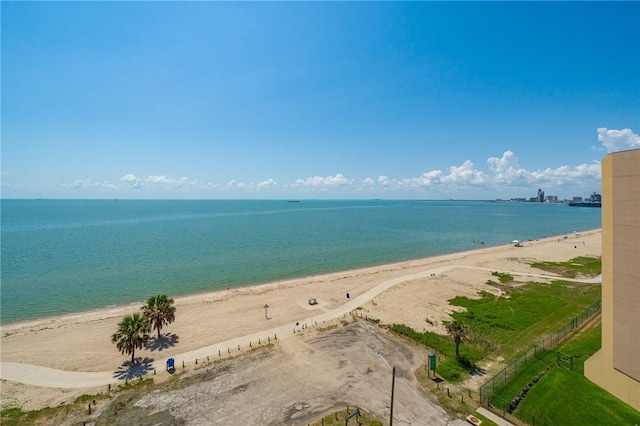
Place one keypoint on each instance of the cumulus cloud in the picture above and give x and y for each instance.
(269, 183)
(319, 181)
(567, 175)
(507, 162)
(131, 180)
(506, 169)
(618, 140)
(156, 180)
(502, 175)
(464, 174)
(233, 183)
(88, 183)
(426, 179)
(503, 172)
(368, 182)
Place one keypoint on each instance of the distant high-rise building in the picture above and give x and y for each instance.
(540, 197)
(616, 366)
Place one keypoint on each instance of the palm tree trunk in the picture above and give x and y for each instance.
(133, 352)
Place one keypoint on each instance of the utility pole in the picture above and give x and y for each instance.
(393, 385)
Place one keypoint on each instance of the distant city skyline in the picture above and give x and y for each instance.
(542, 197)
(318, 100)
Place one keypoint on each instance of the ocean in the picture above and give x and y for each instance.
(64, 256)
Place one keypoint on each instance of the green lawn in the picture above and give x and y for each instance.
(505, 326)
(579, 266)
(564, 397)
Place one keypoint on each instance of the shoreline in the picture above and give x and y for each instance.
(219, 296)
(127, 308)
(199, 316)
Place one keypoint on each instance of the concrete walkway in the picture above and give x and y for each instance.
(493, 417)
(48, 377)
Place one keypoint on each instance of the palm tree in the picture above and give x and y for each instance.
(132, 334)
(159, 311)
(459, 332)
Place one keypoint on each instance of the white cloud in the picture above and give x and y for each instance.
(507, 162)
(319, 181)
(503, 176)
(164, 180)
(567, 175)
(618, 140)
(158, 179)
(427, 179)
(233, 183)
(131, 180)
(88, 183)
(368, 182)
(269, 183)
(464, 175)
(506, 169)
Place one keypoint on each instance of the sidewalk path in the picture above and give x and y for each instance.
(48, 377)
(494, 418)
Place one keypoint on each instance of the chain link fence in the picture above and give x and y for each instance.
(549, 342)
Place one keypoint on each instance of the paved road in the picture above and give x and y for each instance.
(48, 377)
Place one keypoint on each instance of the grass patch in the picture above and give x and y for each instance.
(503, 277)
(447, 366)
(505, 325)
(135, 383)
(564, 397)
(15, 416)
(86, 398)
(338, 418)
(580, 266)
(580, 347)
(57, 415)
(327, 328)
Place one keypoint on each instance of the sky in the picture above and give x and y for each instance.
(322, 100)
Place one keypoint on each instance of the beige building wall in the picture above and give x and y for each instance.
(616, 367)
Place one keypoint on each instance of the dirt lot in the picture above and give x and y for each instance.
(294, 382)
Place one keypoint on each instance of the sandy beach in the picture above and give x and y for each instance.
(417, 290)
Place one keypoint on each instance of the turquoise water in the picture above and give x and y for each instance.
(62, 256)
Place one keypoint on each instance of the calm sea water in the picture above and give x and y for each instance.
(61, 256)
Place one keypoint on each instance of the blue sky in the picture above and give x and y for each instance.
(315, 100)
